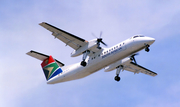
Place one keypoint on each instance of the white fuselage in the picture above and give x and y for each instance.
(103, 58)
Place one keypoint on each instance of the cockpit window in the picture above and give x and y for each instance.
(137, 36)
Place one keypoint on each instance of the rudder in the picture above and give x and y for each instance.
(50, 68)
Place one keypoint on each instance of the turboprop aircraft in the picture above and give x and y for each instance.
(94, 58)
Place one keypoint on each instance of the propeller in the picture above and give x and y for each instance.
(99, 40)
(133, 58)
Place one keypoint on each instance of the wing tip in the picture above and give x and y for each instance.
(42, 23)
(155, 74)
(28, 53)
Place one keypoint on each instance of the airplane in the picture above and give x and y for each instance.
(94, 57)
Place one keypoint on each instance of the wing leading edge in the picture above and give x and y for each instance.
(133, 67)
(69, 39)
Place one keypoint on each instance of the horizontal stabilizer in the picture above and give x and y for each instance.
(42, 57)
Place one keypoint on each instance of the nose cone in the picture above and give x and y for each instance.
(150, 40)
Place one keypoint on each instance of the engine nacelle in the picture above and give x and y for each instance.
(116, 64)
(91, 46)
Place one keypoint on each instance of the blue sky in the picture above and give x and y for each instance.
(22, 79)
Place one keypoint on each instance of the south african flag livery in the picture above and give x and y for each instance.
(50, 68)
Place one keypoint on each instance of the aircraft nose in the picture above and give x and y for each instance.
(150, 40)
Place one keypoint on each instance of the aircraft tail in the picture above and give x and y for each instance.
(50, 68)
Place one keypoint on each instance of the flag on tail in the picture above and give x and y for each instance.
(50, 68)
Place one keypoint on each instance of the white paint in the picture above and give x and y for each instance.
(106, 57)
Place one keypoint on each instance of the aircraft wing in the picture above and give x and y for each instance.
(69, 39)
(42, 57)
(137, 68)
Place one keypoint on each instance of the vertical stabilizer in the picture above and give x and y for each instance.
(50, 68)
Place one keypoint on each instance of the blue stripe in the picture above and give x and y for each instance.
(58, 71)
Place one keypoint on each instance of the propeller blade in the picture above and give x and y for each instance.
(133, 58)
(99, 40)
(94, 35)
(103, 43)
(100, 34)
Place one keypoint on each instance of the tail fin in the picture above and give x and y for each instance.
(50, 68)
